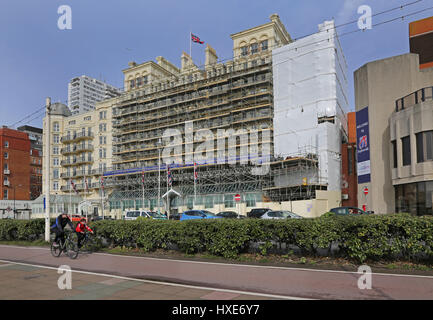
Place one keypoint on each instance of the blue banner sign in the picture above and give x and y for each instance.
(363, 146)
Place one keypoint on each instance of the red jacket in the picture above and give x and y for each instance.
(81, 227)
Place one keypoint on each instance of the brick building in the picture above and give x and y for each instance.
(15, 165)
(348, 171)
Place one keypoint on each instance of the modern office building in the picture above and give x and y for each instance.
(84, 92)
(393, 100)
(421, 41)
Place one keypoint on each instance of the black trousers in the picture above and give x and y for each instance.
(60, 235)
(80, 238)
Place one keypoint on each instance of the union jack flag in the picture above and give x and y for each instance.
(194, 38)
(73, 186)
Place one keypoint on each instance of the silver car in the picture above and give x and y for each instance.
(280, 215)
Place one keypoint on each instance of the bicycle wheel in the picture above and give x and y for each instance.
(56, 251)
(72, 249)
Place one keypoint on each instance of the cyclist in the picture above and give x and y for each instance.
(81, 227)
(61, 221)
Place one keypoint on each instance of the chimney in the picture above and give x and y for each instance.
(211, 56)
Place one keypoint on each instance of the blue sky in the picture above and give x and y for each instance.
(38, 60)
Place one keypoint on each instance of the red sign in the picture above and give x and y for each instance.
(365, 190)
(237, 197)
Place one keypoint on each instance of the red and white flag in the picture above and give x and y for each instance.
(196, 39)
(73, 186)
(195, 171)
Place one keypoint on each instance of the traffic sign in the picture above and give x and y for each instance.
(365, 190)
(237, 197)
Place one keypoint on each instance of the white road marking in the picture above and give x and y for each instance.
(165, 283)
(240, 265)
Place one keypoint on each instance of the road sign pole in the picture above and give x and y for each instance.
(47, 172)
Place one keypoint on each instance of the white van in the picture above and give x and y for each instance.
(134, 214)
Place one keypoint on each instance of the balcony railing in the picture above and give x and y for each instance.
(6, 171)
(78, 136)
(414, 98)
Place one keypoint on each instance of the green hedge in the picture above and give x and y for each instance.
(374, 237)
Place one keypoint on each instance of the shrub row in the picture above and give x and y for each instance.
(375, 237)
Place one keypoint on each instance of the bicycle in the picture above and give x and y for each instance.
(89, 243)
(69, 246)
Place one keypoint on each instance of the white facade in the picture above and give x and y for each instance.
(84, 92)
(311, 101)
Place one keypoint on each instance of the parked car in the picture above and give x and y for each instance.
(175, 216)
(230, 215)
(97, 218)
(77, 217)
(273, 215)
(257, 213)
(134, 214)
(198, 214)
(288, 214)
(349, 211)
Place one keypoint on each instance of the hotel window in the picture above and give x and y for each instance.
(55, 161)
(424, 146)
(132, 83)
(138, 81)
(264, 45)
(56, 174)
(254, 48)
(56, 185)
(56, 127)
(144, 79)
(5, 194)
(55, 150)
(6, 144)
(244, 51)
(6, 155)
(406, 151)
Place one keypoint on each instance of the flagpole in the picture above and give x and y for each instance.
(190, 47)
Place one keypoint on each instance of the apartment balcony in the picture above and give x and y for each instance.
(6, 183)
(6, 171)
(76, 149)
(77, 137)
(75, 162)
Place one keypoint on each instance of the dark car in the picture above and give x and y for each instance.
(349, 211)
(257, 213)
(97, 218)
(230, 215)
(175, 216)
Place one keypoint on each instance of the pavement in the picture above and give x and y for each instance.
(32, 273)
